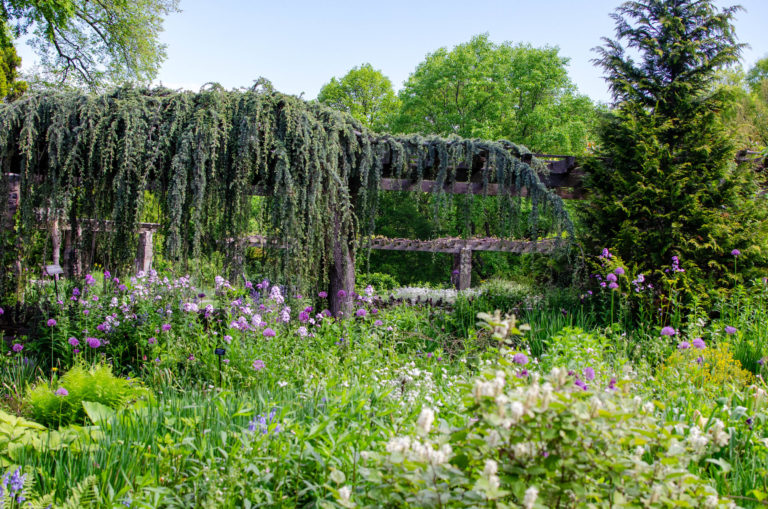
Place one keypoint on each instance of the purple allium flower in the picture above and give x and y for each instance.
(17, 347)
(61, 391)
(51, 322)
(606, 253)
(341, 294)
(613, 286)
(93, 342)
(735, 252)
(191, 357)
(89, 280)
(268, 333)
(258, 364)
(304, 317)
(612, 384)
(589, 373)
(166, 327)
(323, 295)
(86, 312)
(611, 277)
(360, 312)
(378, 323)
(700, 360)
(76, 351)
(152, 340)
(522, 373)
(730, 330)
(619, 271)
(455, 272)
(699, 343)
(520, 358)
(73, 341)
(684, 345)
(107, 275)
(248, 285)
(668, 331)
(122, 288)
(75, 292)
(603, 284)
(579, 383)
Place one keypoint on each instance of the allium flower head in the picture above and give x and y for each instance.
(613, 285)
(520, 358)
(378, 323)
(73, 341)
(730, 330)
(589, 373)
(93, 342)
(735, 252)
(61, 391)
(699, 343)
(51, 322)
(611, 277)
(360, 312)
(619, 271)
(341, 294)
(258, 365)
(268, 333)
(166, 327)
(17, 347)
(322, 295)
(668, 331)
(684, 345)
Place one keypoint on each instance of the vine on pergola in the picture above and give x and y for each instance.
(203, 154)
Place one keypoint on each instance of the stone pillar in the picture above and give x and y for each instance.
(462, 262)
(144, 256)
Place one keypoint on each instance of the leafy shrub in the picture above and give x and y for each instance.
(546, 443)
(63, 405)
(379, 281)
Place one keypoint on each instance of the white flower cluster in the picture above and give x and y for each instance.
(408, 384)
(415, 294)
(420, 452)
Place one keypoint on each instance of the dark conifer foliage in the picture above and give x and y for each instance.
(665, 182)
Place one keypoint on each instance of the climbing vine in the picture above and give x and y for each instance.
(203, 154)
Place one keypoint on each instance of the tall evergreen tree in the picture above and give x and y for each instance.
(664, 181)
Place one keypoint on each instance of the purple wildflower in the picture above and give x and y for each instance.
(93, 342)
(360, 312)
(268, 333)
(668, 331)
(684, 345)
(589, 373)
(51, 322)
(152, 340)
(17, 347)
(699, 343)
(730, 330)
(166, 327)
(341, 294)
(619, 271)
(611, 277)
(735, 252)
(378, 323)
(73, 341)
(613, 286)
(323, 295)
(61, 391)
(520, 358)
(258, 364)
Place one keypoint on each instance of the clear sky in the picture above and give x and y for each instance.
(300, 45)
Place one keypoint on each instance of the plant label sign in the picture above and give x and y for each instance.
(220, 351)
(53, 270)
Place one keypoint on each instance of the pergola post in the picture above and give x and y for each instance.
(145, 252)
(462, 262)
(342, 274)
(9, 224)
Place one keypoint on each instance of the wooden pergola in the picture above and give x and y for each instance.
(563, 177)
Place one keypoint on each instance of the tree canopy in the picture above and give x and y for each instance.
(366, 94)
(90, 42)
(494, 91)
(665, 183)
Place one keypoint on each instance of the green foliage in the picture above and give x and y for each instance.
(487, 90)
(366, 94)
(757, 74)
(380, 282)
(92, 42)
(664, 181)
(202, 155)
(96, 384)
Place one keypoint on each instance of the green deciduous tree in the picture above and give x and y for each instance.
(483, 89)
(758, 74)
(91, 42)
(365, 93)
(666, 182)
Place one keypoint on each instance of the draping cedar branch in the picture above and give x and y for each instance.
(202, 153)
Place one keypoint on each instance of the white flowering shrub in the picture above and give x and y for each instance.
(544, 441)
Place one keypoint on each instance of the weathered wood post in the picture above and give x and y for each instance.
(14, 202)
(342, 272)
(56, 242)
(462, 262)
(145, 252)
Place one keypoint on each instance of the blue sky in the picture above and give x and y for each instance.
(300, 45)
